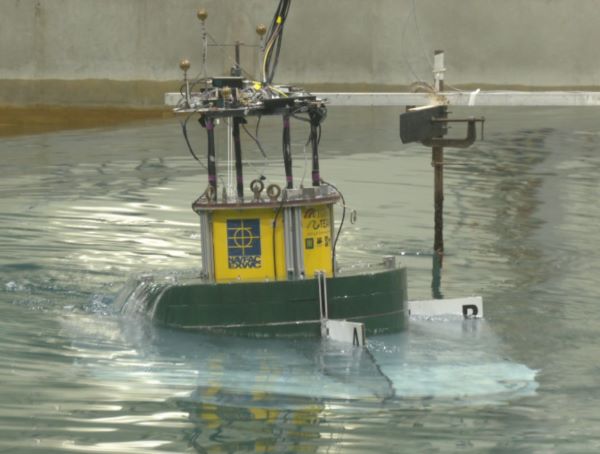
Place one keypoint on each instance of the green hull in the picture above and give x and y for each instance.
(274, 309)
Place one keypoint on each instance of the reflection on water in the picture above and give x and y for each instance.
(230, 395)
(83, 211)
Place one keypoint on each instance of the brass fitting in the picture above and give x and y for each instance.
(202, 14)
(226, 92)
(261, 30)
(184, 64)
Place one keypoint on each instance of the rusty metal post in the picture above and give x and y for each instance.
(429, 125)
(436, 277)
(437, 161)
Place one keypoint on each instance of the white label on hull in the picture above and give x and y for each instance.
(347, 332)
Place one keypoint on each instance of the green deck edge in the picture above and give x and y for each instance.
(281, 308)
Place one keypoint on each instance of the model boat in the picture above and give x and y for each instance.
(269, 249)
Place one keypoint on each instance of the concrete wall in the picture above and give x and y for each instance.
(87, 51)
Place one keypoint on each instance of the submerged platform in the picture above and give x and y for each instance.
(377, 298)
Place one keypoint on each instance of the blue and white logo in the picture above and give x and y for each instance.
(243, 243)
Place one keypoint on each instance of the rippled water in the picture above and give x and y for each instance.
(82, 211)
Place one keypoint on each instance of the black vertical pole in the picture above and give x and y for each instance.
(436, 277)
(437, 159)
(237, 145)
(437, 156)
(212, 165)
(314, 140)
(287, 152)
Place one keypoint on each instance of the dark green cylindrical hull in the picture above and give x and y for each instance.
(280, 308)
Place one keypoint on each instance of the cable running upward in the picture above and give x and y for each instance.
(273, 41)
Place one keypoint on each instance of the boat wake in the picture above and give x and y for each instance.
(453, 362)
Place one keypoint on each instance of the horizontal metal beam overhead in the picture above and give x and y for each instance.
(454, 98)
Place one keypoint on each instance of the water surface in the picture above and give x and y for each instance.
(82, 211)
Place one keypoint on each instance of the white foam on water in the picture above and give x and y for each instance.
(450, 361)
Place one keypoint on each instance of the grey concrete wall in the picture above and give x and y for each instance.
(366, 43)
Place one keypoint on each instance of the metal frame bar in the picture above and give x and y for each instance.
(294, 244)
(467, 98)
(206, 239)
(454, 98)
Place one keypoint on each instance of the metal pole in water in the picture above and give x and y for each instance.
(437, 161)
(429, 125)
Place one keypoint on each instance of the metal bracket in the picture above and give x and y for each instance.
(456, 143)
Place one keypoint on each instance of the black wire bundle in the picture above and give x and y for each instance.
(273, 40)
